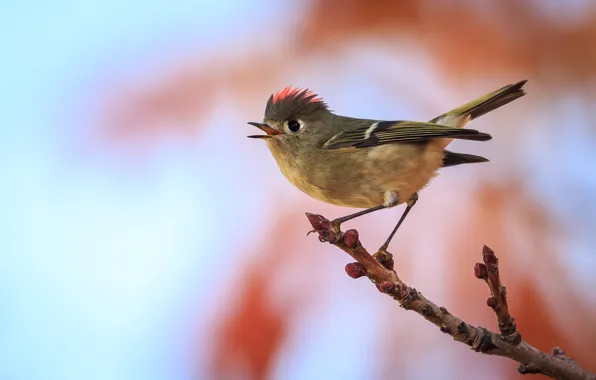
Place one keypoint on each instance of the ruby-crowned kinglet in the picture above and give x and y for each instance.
(365, 163)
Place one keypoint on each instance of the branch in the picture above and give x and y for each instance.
(509, 344)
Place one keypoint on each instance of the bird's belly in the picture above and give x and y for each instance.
(357, 196)
(340, 191)
(416, 166)
(362, 178)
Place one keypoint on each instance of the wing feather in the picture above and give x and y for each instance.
(388, 132)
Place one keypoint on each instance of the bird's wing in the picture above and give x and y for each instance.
(388, 132)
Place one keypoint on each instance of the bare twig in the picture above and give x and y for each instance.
(489, 271)
(379, 269)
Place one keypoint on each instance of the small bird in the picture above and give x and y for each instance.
(365, 163)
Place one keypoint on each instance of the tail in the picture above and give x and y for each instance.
(462, 115)
(453, 159)
(459, 117)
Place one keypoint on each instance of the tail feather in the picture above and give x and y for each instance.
(459, 117)
(482, 105)
(453, 159)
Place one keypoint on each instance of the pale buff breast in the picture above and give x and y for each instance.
(362, 178)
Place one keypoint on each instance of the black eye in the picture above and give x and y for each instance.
(294, 125)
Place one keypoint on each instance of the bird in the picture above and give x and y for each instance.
(367, 163)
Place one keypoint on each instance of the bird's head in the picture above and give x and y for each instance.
(293, 118)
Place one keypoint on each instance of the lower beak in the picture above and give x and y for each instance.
(270, 132)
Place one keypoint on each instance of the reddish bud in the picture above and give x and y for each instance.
(480, 271)
(386, 287)
(488, 256)
(351, 238)
(491, 302)
(315, 220)
(322, 226)
(355, 270)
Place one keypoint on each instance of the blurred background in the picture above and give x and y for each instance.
(144, 237)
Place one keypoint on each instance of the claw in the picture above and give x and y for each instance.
(328, 232)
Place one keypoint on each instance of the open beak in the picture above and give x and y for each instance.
(270, 132)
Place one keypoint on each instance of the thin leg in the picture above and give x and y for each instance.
(339, 221)
(411, 204)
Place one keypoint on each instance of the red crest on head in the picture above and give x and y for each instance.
(290, 91)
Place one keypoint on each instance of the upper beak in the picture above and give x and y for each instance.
(270, 132)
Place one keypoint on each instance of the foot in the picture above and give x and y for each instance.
(336, 223)
(326, 230)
